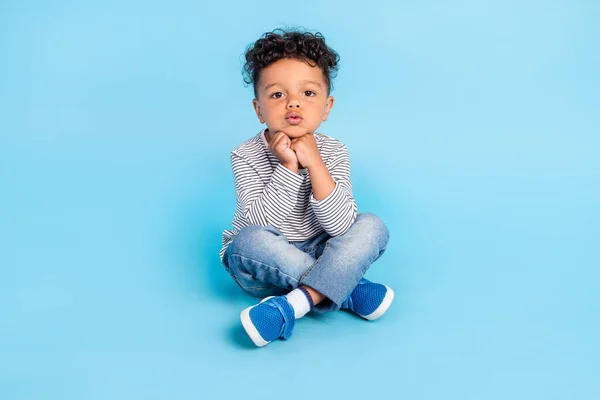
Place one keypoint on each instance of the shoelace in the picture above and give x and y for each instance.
(285, 308)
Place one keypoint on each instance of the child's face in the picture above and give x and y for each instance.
(292, 86)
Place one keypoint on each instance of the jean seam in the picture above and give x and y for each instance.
(266, 265)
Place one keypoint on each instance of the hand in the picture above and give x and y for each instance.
(280, 146)
(306, 150)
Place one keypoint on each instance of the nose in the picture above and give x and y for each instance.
(293, 103)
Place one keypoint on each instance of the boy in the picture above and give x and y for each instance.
(298, 240)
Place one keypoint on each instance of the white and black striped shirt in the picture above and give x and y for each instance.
(268, 194)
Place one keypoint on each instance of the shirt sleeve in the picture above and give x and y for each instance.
(336, 213)
(264, 204)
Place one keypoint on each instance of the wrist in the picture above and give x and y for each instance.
(316, 166)
(291, 167)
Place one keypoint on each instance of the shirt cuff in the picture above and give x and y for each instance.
(286, 178)
(331, 198)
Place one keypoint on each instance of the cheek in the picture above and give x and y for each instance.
(269, 111)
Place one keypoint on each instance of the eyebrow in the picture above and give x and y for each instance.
(304, 81)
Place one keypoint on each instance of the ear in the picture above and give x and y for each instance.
(328, 106)
(256, 106)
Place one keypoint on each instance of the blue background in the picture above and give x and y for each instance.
(472, 127)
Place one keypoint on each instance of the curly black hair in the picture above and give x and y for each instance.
(295, 43)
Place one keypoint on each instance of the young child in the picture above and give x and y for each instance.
(297, 238)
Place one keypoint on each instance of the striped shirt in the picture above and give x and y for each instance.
(268, 194)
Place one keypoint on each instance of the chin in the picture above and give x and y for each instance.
(298, 129)
(294, 131)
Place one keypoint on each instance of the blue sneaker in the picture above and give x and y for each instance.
(369, 300)
(271, 319)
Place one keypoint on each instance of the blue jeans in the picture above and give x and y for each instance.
(264, 263)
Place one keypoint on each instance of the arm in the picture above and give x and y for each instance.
(332, 199)
(260, 204)
(321, 180)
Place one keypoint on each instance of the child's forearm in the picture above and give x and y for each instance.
(292, 167)
(321, 180)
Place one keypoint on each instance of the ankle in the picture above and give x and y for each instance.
(300, 302)
(315, 296)
(304, 290)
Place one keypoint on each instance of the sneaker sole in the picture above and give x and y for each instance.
(385, 304)
(249, 326)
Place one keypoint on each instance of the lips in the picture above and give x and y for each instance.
(293, 118)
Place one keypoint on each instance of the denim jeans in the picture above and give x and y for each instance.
(264, 263)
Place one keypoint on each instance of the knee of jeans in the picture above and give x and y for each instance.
(375, 227)
(250, 237)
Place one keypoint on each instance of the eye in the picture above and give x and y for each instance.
(310, 93)
(277, 95)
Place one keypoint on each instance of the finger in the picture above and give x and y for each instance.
(284, 137)
(281, 147)
(282, 133)
(275, 140)
(284, 143)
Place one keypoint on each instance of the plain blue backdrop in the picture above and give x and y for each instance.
(472, 128)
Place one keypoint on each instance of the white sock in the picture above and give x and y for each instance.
(299, 302)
